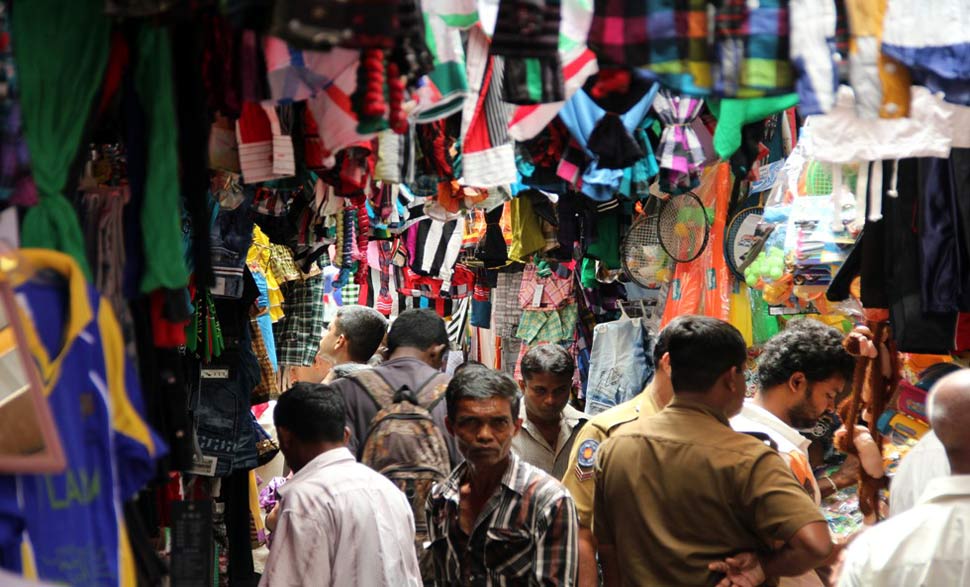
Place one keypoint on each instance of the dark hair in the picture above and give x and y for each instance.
(418, 329)
(547, 358)
(480, 382)
(807, 346)
(659, 348)
(701, 350)
(312, 412)
(364, 328)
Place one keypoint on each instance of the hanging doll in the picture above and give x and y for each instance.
(873, 384)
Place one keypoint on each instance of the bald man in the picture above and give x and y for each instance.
(926, 545)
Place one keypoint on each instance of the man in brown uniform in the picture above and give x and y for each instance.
(679, 492)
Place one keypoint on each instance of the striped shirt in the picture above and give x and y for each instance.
(526, 534)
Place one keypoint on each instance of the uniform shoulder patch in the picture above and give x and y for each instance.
(587, 453)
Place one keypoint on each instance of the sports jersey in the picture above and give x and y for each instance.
(68, 527)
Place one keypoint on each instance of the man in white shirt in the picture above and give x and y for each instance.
(801, 371)
(549, 423)
(928, 544)
(339, 522)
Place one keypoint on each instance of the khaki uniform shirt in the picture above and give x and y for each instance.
(578, 477)
(534, 449)
(680, 490)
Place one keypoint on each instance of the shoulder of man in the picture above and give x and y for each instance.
(594, 433)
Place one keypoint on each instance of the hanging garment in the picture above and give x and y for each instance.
(752, 48)
(265, 152)
(62, 51)
(812, 25)
(16, 183)
(733, 114)
(296, 75)
(578, 64)
(298, 332)
(681, 155)
(621, 363)
(488, 156)
(672, 42)
(527, 37)
(68, 527)
(538, 326)
(932, 39)
(332, 110)
(610, 134)
(444, 90)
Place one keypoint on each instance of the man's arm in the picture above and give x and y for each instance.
(806, 550)
(589, 575)
(556, 555)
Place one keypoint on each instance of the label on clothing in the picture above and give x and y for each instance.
(204, 465)
(192, 552)
(215, 373)
(537, 296)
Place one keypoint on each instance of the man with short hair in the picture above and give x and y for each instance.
(578, 477)
(928, 544)
(353, 337)
(338, 522)
(417, 345)
(549, 423)
(681, 497)
(497, 520)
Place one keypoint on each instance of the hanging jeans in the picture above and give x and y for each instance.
(621, 363)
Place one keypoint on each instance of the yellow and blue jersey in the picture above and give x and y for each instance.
(69, 527)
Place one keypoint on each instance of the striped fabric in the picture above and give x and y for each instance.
(752, 49)
(527, 37)
(488, 156)
(681, 156)
(436, 246)
(442, 92)
(299, 331)
(526, 535)
(668, 38)
(265, 153)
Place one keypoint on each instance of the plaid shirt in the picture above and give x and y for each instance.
(753, 57)
(671, 42)
(525, 535)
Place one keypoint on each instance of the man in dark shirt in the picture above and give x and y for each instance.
(417, 346)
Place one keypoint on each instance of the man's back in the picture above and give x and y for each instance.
(924, 546)
(925, 462)
(400, 372)
(341, 523)
(683, 490)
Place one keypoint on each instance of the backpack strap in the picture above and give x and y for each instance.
(375, 386)
(433, 390)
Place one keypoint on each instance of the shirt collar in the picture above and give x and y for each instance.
(321, 461)
(570, 415)
(514, 478)
(942, 488)
(689, 405)
(756, 413)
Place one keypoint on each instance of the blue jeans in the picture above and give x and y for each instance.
(621, 363)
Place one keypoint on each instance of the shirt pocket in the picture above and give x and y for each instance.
(508, 553)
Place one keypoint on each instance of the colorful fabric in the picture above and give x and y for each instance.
(752, 48)
(296, 75)
(442, 92)
(578, 64)
(16, 183)
(298, 333)
(670, 41)
(506, 311)
(68, 527)
(544, 293)
(812, 41)
(488, 157)
(527, 37)
(537, 326)
(681, 156)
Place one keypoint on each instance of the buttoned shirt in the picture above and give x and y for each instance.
(925, 462)
(681, 489)
(532, 446)
(525, 535)
(578, 478)
(341, 523)
(925, 546)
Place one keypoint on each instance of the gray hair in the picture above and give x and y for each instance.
(364, 329)
(479, 382)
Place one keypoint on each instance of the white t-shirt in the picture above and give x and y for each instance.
(925, 462)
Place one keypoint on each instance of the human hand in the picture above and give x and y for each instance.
(741, 570)
(848, 473)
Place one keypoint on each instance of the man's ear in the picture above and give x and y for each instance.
(346, 435)
(797, 383)
(522, 384)
(284, 437)
(665, 364)
(518, 425)
(438, 352)
(341, 342)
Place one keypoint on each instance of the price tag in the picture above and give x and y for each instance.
(537, 296)
(203, 465)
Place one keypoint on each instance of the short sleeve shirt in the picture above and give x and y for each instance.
(686, 490)
(578, 477)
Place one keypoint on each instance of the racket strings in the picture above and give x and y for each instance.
(683, 227)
